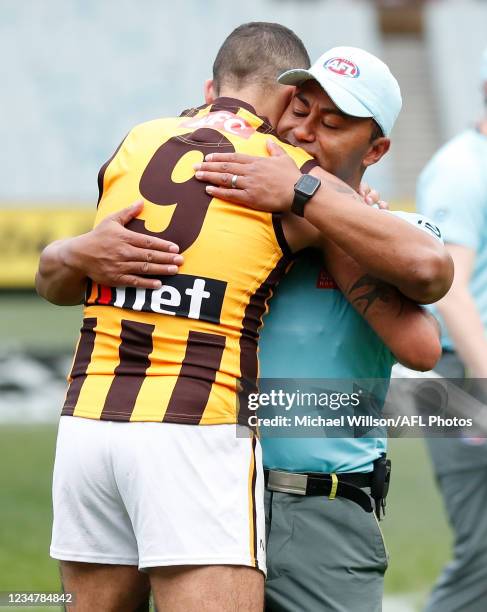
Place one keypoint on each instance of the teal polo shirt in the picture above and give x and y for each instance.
(452, 191)
(312, 332)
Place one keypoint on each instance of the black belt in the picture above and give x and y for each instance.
(347, 485)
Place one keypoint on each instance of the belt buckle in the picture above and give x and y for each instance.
(286, 482)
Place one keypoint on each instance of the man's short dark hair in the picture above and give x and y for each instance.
(376, 131)
(257, 53)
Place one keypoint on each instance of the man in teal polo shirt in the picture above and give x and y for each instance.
(325, 549)
(323, 554)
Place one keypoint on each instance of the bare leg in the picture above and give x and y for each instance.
(207, 588)
(111, 588)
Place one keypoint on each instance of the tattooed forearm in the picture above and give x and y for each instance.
(366, 290)
(342, 188)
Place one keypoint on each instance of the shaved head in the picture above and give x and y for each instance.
(257, 53)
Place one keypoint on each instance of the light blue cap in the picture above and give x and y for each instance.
(359, 83)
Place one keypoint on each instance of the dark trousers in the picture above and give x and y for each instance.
(461, 471)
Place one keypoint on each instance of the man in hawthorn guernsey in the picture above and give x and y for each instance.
(139, 482)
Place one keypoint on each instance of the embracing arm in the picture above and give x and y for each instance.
(109, 254)
(58, 279)
(408, 330)
(386, 246)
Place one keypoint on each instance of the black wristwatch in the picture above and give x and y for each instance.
(304, 189)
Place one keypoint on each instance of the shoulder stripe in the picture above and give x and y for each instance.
(266, 128)
(193, 111)
(251, 324)
(308, 166)
(281, 238)
(101, 173)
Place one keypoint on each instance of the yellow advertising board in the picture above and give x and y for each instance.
(24, 232)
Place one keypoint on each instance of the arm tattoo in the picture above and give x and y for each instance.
(375, 289)
(342, 188)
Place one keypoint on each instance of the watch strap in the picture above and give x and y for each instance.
(299, 202)
(304, 189)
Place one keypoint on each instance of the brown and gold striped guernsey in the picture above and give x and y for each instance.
(185, 353)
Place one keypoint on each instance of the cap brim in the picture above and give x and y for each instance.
(295, 77)
(345, 101)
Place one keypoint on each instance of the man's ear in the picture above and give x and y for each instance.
(209, 90)
(290, 90)
(378, 148)
(282, 99)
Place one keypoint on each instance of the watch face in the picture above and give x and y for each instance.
(308, 184)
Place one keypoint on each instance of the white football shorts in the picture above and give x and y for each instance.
(157, 494)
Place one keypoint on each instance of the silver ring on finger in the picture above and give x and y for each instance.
(234, 181)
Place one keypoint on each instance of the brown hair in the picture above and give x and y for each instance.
(376, 131)
(257, 53)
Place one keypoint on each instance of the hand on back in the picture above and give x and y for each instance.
(115, 256)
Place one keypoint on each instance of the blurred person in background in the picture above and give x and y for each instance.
(322, 492)
(452, 190)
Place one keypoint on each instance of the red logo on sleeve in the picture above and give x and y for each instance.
(325, 280)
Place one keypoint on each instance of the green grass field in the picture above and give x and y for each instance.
(28, 321)
(415, 527)
(25, 508)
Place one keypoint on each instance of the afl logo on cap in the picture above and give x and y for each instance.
(343, 67)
